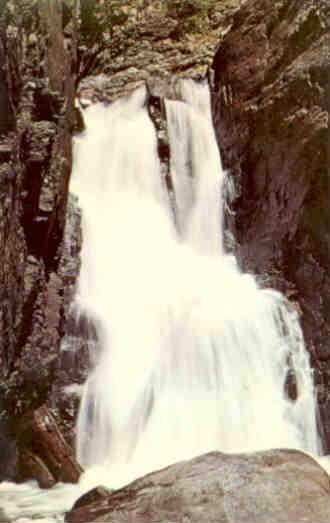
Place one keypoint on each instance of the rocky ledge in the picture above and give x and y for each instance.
(157, 40)
(282, 486)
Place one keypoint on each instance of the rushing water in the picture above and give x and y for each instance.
(193, 355)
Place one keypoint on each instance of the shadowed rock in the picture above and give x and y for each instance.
(270, 104)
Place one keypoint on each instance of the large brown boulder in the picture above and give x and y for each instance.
(275, 486)
(270, 103)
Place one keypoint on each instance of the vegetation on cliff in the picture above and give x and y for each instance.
(108, 29)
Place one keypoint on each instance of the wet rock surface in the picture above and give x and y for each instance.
(270, 104)
(279, 486)
(46, 455)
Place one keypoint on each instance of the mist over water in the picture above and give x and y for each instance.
(193, 356)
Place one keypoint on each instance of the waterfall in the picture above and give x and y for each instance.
(193, 356)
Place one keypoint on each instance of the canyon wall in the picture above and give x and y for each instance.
(271, 110)
(37, 119)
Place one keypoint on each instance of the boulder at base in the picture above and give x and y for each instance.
(275, 486)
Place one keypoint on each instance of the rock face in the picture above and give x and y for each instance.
(37, 111)
(270, 102)
(279, 486)
(153, 43)
(49, 456)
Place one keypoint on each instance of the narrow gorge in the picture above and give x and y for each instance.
(165, 243)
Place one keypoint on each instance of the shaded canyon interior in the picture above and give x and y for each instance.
(267, 66)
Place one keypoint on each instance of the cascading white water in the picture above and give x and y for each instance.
(195, 170)
(193, 355)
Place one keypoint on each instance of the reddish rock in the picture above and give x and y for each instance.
(33, 467)
(270, 104)
(41, 437)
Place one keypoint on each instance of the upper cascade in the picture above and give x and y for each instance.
(195, 167)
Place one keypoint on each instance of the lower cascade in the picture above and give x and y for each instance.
(193, 356)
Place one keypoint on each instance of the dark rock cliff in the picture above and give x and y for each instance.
(270, 102)
(37, 116)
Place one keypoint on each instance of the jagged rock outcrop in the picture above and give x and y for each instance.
(156, 40)
(45, 454)
(37, 119)
(279, 486)
(270, 103)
